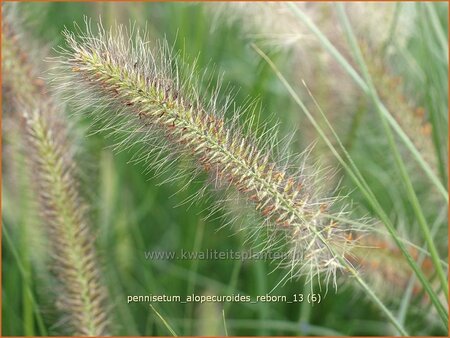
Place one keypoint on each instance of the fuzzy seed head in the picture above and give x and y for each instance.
(81, 295)
(145, 91)
(50, 157)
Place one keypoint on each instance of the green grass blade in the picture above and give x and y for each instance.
(166, 324)
(406, 299)
(224, 323)
(393, 27)
(435, 69)
(440, 34)
(28, 291)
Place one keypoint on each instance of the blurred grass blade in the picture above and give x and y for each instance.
(28, 291)
(166, 324)
(392, 28)
(440, 34)
(224, 323)
(435, 78)
(406, 299)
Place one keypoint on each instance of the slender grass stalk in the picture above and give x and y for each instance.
(434, 77)
(393, 27)
(166, 324)
(437, 27)
(146, 93)
(224, 323)
(412, 281)
(80, 294)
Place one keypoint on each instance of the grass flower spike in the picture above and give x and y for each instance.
(144, 92)
(20, 75)
(82, 295)
(46, 146)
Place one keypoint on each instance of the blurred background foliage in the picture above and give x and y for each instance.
(132, 213)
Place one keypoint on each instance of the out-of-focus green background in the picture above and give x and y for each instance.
(131, 213)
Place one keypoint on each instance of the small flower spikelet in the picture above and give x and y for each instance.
(147, 94)
(48, 151)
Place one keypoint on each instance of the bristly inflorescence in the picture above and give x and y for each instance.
(46, 145)
(21, 81)
(81, 294)
(144, 92)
